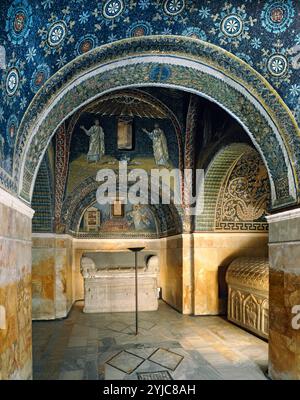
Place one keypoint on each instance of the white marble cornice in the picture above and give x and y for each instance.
(11, 201)
(283, 216)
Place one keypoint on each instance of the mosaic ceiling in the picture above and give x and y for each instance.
(40, 37)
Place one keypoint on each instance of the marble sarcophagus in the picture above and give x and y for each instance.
(248, 294)
(109, 282)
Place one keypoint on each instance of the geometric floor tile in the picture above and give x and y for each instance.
(143, 326)
(143, 352)
(166, 358)
(131, 330)
(125, 362)
(95, 346)
(116, 326)
(146, 324)
(154, 376)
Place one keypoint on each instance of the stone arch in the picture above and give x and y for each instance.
(171, 61)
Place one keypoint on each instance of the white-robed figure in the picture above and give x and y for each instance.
(138, 217)
(160, 146)
(97, 146)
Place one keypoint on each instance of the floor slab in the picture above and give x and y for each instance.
(169, 346)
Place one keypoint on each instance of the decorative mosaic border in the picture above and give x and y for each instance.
(192, 65)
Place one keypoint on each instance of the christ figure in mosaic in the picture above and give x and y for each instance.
(160, 146)
(96, 146)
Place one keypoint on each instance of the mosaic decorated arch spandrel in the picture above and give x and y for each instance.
(183, 63)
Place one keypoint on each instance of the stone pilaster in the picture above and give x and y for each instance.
(15, 288)
(52, 278)
(188, 274)
(284, 334)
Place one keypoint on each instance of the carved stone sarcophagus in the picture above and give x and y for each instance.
(109, 282)
(248, 294)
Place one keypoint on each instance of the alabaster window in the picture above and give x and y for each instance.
(125, 137)
(117, 208)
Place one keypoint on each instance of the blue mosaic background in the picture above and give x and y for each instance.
(41, 36)
(142, 144)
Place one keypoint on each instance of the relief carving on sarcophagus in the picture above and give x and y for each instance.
(235, 304)
(248, 294)
(251, 312)
(265, 317)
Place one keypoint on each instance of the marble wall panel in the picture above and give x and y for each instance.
(213, 252)
(284, 256)
(15, 288)
(51, 276)
(171, 271)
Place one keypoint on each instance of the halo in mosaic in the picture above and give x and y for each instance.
(195, 33)
(174, 7)
(277, 16)
(277, 65)
(39, 77)
(11, 129)
(12, 81)
(141, 28)
(56, 33)
(19, 21)
(85, 44)
(112, 8)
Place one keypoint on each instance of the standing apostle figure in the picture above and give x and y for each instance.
(160, 146)
(97, 146)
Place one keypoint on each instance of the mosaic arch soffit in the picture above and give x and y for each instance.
(171, 61)
(219, 168)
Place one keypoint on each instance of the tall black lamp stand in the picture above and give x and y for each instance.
(136, 250)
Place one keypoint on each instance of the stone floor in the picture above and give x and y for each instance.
(169, 346)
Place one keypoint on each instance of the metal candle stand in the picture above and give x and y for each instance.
(136, 250)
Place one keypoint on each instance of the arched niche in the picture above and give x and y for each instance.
(167, 218)
(236, 192)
